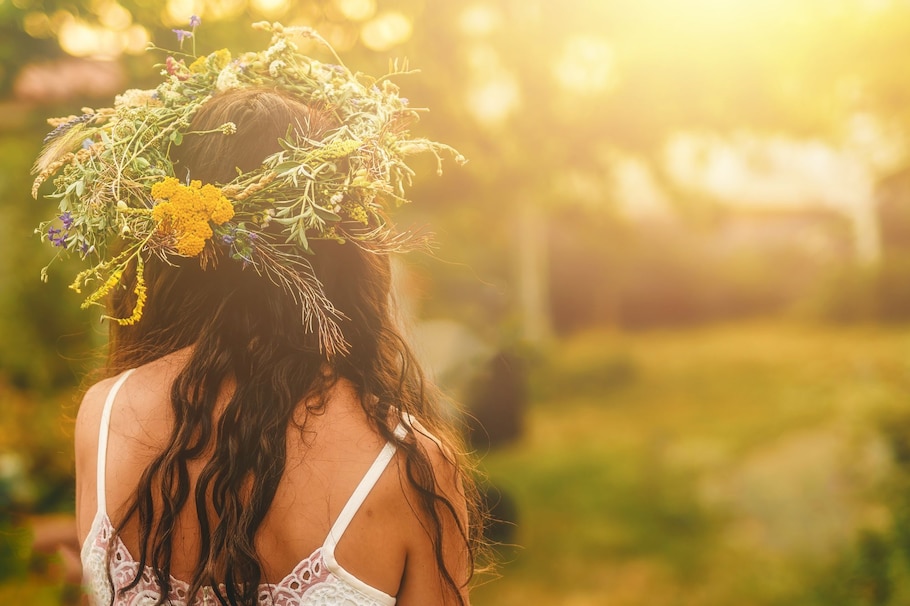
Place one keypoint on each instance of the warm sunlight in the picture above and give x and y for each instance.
(356, 10)
(386, 31)
(670, 287)
(271, 8)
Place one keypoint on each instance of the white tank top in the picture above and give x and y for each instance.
(318, 580)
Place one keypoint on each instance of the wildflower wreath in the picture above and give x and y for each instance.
(120, 200)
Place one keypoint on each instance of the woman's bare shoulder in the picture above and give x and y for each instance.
(441, 456)
(88, 417)
(146, 387)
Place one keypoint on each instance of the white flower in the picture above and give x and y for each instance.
(173, 96)
(275, 67)
(227, 79)
(337, 198)
(275, 49)
(135, 97)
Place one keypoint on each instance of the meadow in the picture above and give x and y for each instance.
(712, 466)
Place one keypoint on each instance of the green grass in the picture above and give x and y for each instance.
(709, 466)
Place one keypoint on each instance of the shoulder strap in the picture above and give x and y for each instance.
(360, 493)
(102, 438)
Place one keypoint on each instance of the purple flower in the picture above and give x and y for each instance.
(67, 220)
(195, 21)
(56, 236)
(182, 35)
(227, 239)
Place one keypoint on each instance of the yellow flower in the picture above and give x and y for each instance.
(332, 151)
(220, 58)
(217, 61)
(105, 288)
(140, 296)
(185, 211)
(358, 213)
(165, 188)
(198, 65)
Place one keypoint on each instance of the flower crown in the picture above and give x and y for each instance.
(120, 200)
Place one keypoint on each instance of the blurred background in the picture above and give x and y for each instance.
(672, 285)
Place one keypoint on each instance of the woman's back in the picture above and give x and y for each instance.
(329, 454)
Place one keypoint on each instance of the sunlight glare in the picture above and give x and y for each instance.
(639, 194)
(341, 36)
(177, 12)
(271, 8)
(136, 40)
(222, 9)
(356, 10)
(494, 92)
(386, 31)
(769, 171)
(479, 20)
(876, 6)
(77, 38)
(109, 43)
(585, 66)
(114, 16)
(491, 101)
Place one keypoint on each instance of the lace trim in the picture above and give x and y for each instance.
(311, 583)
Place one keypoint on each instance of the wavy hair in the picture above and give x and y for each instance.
(245, 328)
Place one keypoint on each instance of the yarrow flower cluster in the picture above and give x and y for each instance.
(185, 212)
(120, 200)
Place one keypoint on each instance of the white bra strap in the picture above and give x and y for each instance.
(360, 493)
(102, 438)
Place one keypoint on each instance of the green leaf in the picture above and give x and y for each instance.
(325, 214)
(300, 234)
(286, 166)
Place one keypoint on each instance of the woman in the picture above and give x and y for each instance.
(237, 454)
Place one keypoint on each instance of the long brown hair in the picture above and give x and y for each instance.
(244, 327)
